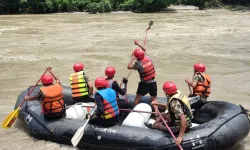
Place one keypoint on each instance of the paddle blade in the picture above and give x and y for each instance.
(77, 136)
(10, 119)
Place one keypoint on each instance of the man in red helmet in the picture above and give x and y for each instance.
(107, 113)
(201, 86)
(81, 87)
(51, 97)
(145, 68)
(179, 114)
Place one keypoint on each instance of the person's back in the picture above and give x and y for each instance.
(110, 73)
(81, 86)
(51, 97)
(107, 113)
(53, 103)
(144, 66)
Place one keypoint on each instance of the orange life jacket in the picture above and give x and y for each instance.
(147, 70)
(203, 88)
(53, 99)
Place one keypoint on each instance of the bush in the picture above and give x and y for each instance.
(144, 5)
(9, 6)
(93, 7)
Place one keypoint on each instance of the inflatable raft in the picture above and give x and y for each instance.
(222, 125)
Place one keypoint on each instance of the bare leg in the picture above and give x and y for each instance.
(158, 120)
(137, 99)
(158, 125)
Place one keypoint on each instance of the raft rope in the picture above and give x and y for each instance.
(210, 135)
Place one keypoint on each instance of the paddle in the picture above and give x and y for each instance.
(49, 69)
(10, 119)
(130, 110)
(164, 121)
(190, 90)
(79, 133)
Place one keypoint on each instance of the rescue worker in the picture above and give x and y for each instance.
(107, 113)
(51, 97)
(179, 114)
(146, 70)
(110, 73)
(81, 87)
(201, 86)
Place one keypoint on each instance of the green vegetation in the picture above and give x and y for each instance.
(94, 6)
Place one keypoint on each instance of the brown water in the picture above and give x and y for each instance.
(28, 43)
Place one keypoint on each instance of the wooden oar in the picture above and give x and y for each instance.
(130, 110)
(10, 119)
(164, 121)
(79, 133)
(127, 77)
(190, 90)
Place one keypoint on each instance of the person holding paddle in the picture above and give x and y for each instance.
(107, 113)
(179, 114)
(201, 86)
(144, 66)
(110, 73)
(51, 97)
(81, 87)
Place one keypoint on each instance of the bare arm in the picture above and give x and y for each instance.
(191, 83)
(158, 104)
(183, 125)
(90, 88)
(30, 98)
(130, 66)
(55, 77)
(137, 43)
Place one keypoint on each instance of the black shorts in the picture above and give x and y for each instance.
(84, 99)
(145, 88)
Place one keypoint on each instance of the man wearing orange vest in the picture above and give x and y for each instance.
(201, 86)
(146, 70)
(81, 87)
(107, 113)
(51, 97)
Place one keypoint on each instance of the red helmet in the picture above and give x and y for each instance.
(199, 67)
(110, 71)
(169, 88)
(47, 79)
(100, 82)
(139, 53)
(78, 67)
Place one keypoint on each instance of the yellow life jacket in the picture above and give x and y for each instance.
(79, 86)
(185, 105)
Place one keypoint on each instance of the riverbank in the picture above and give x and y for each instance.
(178, 9)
